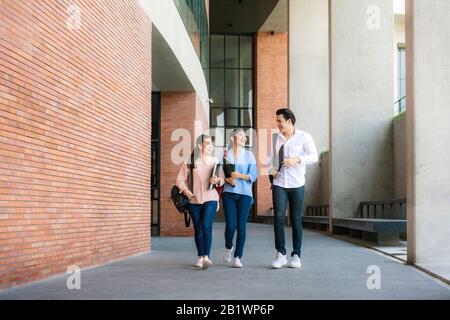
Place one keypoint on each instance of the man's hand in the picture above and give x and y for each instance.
(289, 162)
(273, 172)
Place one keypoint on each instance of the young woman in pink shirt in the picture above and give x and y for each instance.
(204, 201)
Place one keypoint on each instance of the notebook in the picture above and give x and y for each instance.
(214, 173)
(228, 167)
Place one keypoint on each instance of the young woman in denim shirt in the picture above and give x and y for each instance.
(237, 196)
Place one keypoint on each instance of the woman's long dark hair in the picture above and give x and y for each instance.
(196, 152)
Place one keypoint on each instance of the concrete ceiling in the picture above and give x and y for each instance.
(278, 19)
(167, 72)
(239, 16)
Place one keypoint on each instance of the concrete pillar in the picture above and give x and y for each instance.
(428, 79)
(362, 103)
(308, 80)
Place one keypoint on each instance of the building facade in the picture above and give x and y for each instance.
(100, 105)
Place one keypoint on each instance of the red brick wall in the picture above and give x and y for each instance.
(75, 123)
(178, 111)
(271, 95)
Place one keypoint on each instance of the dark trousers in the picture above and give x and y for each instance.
(203, 217)
(281, 197)
(236, 208)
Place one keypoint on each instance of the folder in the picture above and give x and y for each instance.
(214, 173)
(277, 162)
(228, 167)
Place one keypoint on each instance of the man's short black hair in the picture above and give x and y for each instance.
(287, 115)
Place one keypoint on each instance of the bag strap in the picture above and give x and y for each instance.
(274, 153)
(187, 217)
(191, 175)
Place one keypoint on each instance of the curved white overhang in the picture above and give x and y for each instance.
(176, 64)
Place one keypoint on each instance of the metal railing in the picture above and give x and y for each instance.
(401, 106)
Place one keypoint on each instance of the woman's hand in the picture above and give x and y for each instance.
(231, 181)
(188, 194)
(236, 175)
(214, 180)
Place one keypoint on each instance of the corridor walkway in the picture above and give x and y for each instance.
(332, 269)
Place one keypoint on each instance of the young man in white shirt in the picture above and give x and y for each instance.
(298, 150)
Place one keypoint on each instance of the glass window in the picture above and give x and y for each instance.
(231, 88)
(231, 52)
(246, 89)
(217, 117)
(219, 135)
(228, 133)
(231, 83)
(217, 51)
(216, 91)
(246, 52)
(246, 118)
(232, 117)
(250, 133)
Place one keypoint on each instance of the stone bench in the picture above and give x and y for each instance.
(316, 217)
(382, 222)
(384, 232)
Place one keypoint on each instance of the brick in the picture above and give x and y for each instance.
(75, 117)
(272, 94)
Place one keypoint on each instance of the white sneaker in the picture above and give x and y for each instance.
(237, 263)
(199, 263)
(227, 255)
(295, 262)
(279, 261)
(206, 262)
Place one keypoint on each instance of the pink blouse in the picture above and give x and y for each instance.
(201, 176)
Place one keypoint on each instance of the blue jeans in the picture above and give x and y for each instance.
(236, 208)
(281, 197)
(202, 217)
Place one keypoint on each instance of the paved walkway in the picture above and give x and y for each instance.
(332, 269)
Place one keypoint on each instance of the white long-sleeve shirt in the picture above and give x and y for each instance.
(300, 145)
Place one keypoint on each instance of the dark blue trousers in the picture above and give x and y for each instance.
(281, 197)
(203, 217)
(236, 209)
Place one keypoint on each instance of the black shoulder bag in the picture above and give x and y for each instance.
(180, 201)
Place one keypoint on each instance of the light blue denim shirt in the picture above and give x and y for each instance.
(245, 164)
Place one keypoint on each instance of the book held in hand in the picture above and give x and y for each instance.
(214, 173)
(277, 161)
(228, 167)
